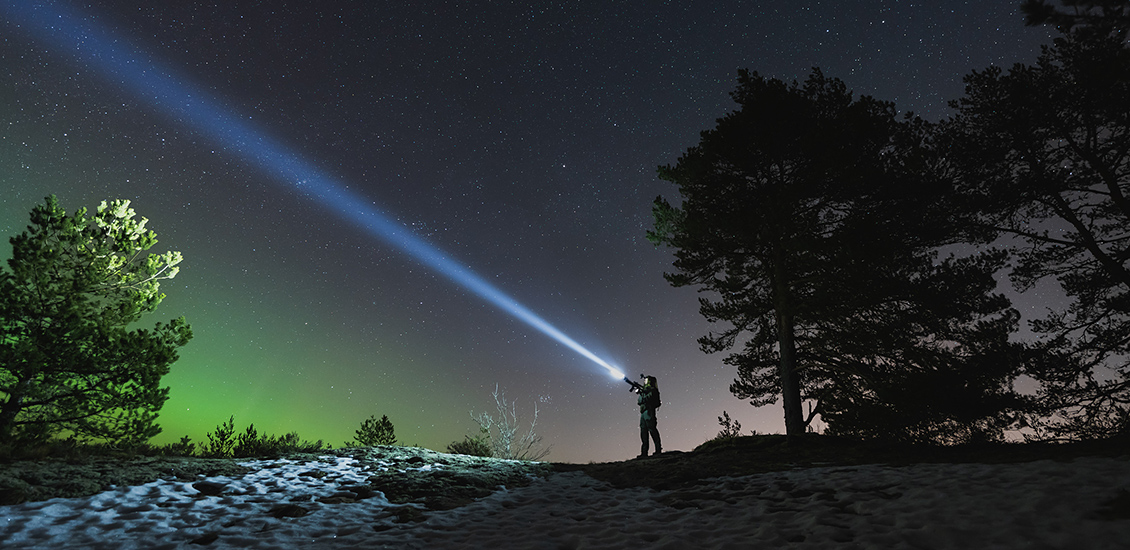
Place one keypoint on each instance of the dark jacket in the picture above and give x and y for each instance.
(648, 401)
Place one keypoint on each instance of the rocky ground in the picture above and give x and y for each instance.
(771, 453)
(394, 471)
(817, 492)
(460, 479)
(32, 480)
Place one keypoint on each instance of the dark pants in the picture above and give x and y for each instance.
(648, 426)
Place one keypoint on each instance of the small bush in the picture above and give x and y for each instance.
(71, 449)
(730, 428)
(184, 447)
(221, 442)
(291, 443)
(249, 443)
(67, 449)
(731, 431)
(225, 444)
(376, 432)
(471, 446)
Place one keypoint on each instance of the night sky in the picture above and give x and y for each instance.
(521, 138)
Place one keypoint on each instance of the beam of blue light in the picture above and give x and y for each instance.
(155, 84)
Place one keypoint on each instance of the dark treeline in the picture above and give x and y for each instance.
(814, 222)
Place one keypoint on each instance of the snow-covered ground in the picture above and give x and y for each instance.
(1081, 504)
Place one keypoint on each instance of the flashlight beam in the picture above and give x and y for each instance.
(156, 85)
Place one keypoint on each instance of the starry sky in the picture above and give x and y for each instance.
(520, 138)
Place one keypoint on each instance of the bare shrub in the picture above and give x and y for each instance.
(503, 432)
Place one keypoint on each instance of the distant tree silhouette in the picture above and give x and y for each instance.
(1044, 156)
(376, 432)
(811, 218)
(68, 357)
(1098, 15)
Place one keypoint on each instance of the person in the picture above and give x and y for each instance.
(648, 401)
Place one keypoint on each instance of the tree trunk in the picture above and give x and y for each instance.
(790, 381)
(787, 368)
(11, 408)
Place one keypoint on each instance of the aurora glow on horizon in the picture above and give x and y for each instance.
(358, 187)
(189, 105)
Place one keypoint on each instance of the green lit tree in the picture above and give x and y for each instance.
(811, 218)
(70, 359)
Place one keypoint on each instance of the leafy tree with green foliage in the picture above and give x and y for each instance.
(69, 359)
(1043, 158)
(812, 218)
(376, 432)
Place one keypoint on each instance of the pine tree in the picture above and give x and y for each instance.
(69, 357)
(1042, 153)
(376, 432)
(811, 218)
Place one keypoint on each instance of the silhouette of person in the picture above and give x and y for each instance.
(648, 401)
